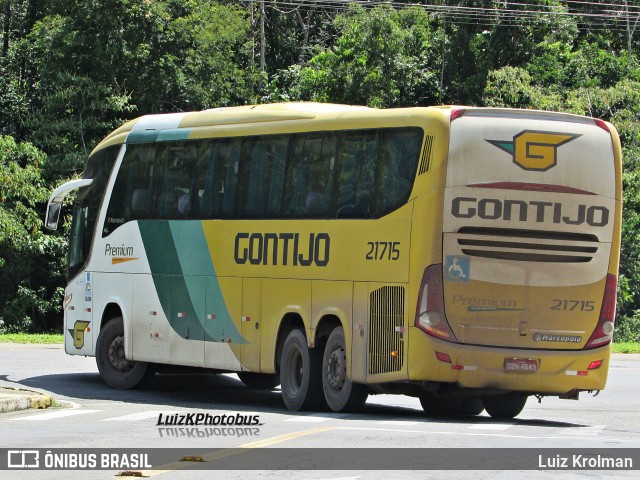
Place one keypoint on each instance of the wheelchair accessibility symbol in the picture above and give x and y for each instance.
(457, 268)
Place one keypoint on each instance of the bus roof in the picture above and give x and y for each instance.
(178, 126)
(142, 127)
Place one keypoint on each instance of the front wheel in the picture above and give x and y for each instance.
(505, 406)
(300, 373)
(341, 394)
(114, 368)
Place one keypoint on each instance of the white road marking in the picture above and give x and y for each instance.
(400, 423)
(132, 417)
(491, 426)
(53, 415)
(316, 418)
(473, 434)
(308, 419)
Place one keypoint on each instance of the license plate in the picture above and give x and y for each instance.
(521, 365)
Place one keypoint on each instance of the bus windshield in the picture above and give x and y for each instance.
(87, 204)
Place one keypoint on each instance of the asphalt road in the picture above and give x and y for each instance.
(95, 416)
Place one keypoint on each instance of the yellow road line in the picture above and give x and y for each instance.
(228, 452)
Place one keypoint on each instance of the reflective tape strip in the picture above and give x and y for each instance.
(468, 368)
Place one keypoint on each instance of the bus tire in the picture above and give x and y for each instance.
(341, 394)
(471, 406)
(300, 370)
(505, 406)
(114, 368)
(262, 381)
(440, 406)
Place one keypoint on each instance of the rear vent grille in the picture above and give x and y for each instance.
(426, 155)
(527, 245)
(386, 322)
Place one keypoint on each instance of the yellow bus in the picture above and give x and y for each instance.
(464, 256)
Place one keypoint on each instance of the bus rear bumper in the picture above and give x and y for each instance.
(534, 371)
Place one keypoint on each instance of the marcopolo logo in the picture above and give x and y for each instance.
(535, 150)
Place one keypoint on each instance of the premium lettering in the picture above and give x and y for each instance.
(529, 211)
(118, 251)
(282, 249)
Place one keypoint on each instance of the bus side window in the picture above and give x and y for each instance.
(297, 180)
(309, 177)
(262, 176)
(219, 165)
(229, 172)
(356, 174)
(128, 198)
(278, 147)
(174, 192)
(399, 151)
(319, 198)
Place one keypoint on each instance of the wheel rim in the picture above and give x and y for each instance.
(117, 357)
(295, 373)
(337, 369)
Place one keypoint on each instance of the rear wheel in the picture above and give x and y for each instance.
(114, 368)
(341, 394)
(438, 406)
(471, 406)
(300, 373)
(505, 406)
(265, 381)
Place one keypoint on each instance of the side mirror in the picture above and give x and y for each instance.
(53, 214)
(56, 198)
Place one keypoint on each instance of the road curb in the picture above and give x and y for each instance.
(13, 399)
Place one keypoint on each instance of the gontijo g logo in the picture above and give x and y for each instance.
(534, 150)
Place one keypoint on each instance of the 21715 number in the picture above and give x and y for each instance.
(571, 305)
(383, 251)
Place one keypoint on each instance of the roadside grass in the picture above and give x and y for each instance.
(49, 338)
(626, 347)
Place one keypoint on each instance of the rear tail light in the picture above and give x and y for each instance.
(430, 316)
(602, 124)
(603, 333)
(456, 113)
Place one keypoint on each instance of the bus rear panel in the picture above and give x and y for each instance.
(530, 248)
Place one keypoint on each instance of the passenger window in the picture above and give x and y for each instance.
(310, 177)
(399, 151)
(262, 176)
(221, 160)
(131, 194)
(175, 195)
(356, 174)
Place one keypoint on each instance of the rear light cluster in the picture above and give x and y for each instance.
(430, 316)
(603, 333)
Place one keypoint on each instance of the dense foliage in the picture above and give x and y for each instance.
(72, 71)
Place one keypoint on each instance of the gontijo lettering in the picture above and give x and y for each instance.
(283, 249)
(523, 211)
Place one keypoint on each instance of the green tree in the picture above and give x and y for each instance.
(31, 262)
(382, 58)
(88, 66)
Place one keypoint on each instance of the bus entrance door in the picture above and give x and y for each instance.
(79, 315)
